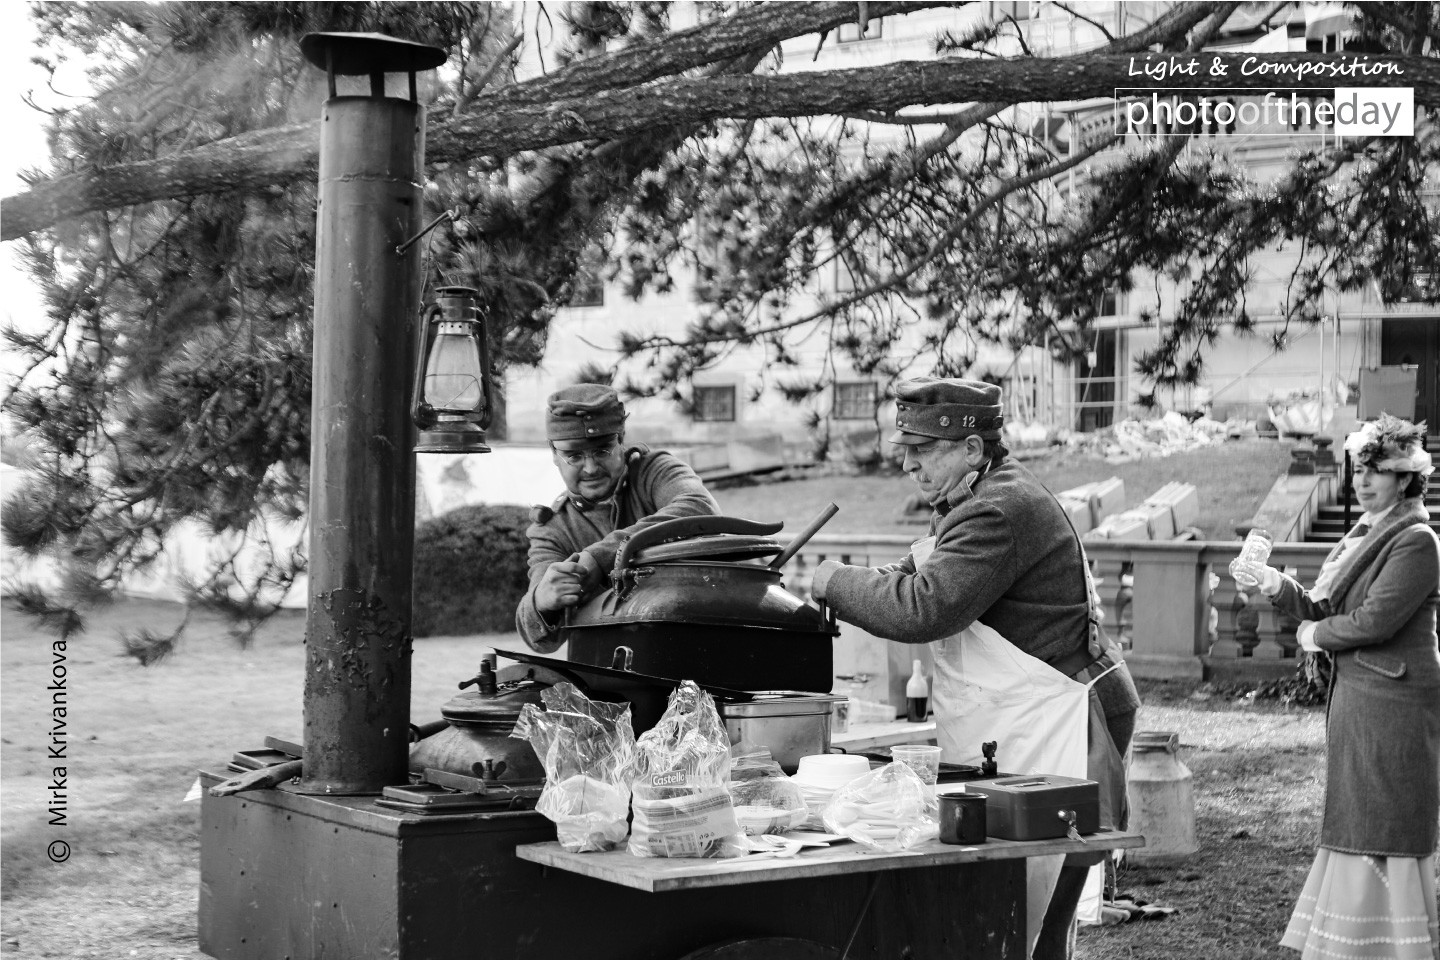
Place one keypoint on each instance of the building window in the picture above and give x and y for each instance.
(1110, 303)
(855, 401)
(715, 404)
(856, 265)
(714, 256)
(1095, 385)
(850, 32)
(1018, 9)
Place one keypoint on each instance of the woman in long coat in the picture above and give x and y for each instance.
(1371, 890)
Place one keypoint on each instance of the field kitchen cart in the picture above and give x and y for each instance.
(320, 863)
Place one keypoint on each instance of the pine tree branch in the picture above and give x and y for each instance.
(905, 164)
(1410, 27)
(897, 278)
(274, 157)
(760, 27)
(281, 155)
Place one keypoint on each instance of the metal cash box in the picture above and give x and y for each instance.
(1039, 806)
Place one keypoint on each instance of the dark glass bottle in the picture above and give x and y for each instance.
(917, 695)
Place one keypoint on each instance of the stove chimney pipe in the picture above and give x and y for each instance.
(362, 465)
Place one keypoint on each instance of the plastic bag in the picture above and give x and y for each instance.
(679, 780)
(587, 749)
(887, 810)
(766, 801)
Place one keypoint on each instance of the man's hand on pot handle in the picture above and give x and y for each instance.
(560, 587)
(592, 575)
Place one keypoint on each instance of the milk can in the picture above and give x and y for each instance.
(1162, 802)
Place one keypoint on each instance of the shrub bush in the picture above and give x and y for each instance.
(470, 570)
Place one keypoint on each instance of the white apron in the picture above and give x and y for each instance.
(986, 688)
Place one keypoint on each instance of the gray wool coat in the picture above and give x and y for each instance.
(1006, 556)
(1382, 728)
(657, 486)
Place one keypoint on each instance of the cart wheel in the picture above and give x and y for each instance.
(765, 948)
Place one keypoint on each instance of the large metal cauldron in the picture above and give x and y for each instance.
(694, 600)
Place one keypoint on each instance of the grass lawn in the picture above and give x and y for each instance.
(1230, 480)
(137, 735)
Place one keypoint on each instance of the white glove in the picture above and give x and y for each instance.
(1305, 634)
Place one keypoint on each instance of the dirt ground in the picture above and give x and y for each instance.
(135, 737)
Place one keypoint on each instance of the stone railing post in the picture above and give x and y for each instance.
(1172, 611)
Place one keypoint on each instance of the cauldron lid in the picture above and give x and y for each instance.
(503, 707)
(721, 546)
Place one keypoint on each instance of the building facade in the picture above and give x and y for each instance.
(1387, 350)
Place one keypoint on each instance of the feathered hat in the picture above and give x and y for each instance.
(1392, 445)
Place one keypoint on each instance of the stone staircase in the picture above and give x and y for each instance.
(1329, 523)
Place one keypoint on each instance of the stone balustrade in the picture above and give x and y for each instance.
(1170, 604)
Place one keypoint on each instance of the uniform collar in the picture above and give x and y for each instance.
(965, 489)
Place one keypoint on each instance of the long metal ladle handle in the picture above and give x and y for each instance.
(803, 537)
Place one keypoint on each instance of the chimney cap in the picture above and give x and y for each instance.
(358, 54)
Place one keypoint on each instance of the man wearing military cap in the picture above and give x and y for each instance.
(1001, 553)
(611, 491)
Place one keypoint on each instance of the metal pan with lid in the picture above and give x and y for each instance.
(694, 600)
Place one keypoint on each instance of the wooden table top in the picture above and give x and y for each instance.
(657, 875)
(866, 736)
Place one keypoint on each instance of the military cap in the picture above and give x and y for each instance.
(929, 408)
(584, 411)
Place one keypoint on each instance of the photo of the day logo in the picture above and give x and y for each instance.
(1351, 112)
(1375, 111)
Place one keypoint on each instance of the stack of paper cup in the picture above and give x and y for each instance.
(819, 776)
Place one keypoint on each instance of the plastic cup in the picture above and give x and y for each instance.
(923, 759)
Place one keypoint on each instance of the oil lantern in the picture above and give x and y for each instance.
(452, 377)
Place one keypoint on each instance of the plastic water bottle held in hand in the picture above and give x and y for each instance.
(917, 695)
(1254, 555)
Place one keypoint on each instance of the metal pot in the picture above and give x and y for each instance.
(477, 742)
(793, 724)
(693, 601)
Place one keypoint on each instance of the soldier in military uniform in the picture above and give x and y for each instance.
(611, 490)
(1001, 553)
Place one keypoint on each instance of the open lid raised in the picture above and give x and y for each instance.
(719, 547)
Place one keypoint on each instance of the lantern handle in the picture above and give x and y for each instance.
(487, 375)
(420, 409)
